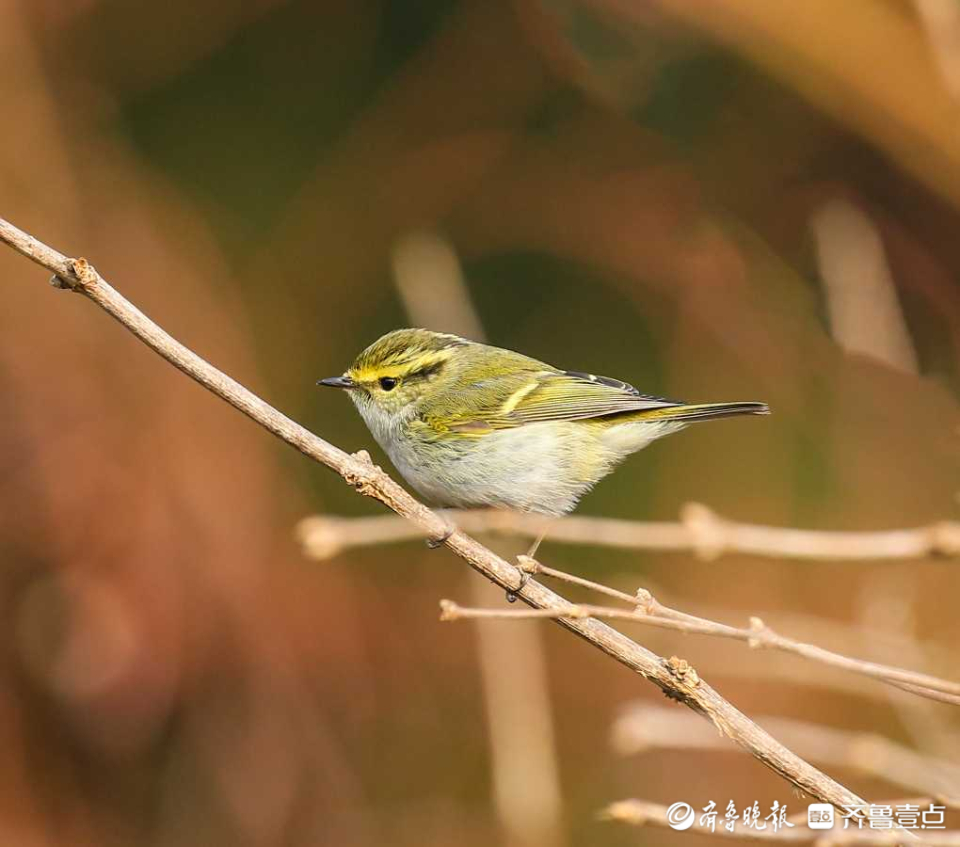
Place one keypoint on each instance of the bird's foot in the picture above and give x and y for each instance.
(434, 543)
(527, 566)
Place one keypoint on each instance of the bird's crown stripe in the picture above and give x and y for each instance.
(402, 363)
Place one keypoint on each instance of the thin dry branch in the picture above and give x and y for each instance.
(699, 530)
(648, 611)
(643, 727)
(643, 813)
(882, 643)
(360, 473)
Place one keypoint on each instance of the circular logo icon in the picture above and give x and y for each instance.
(680, 816)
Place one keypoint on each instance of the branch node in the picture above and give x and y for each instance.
(528, 564)
(645, 602)
(85, 273)
(763, 632)
(706, 530)
(368, 478)
(945, 538)
(449, 611)
(362, 485)
(683, 672)
(626, 811)
(320, 537)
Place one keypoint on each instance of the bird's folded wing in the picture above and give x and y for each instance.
(516, 399)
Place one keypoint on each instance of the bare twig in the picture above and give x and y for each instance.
(643, 727)
(879, 641)
(699, 530)
(642, 813)
(650, 612)
(322, 536)
(359, 472)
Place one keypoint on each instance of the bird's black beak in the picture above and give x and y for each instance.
(337, 382)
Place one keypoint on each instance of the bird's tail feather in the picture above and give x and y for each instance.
(703, 411)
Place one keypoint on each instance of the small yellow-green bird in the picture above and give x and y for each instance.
(469, 425)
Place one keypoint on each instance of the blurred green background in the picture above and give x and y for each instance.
(713, 201)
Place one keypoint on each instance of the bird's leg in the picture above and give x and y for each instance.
(525, 569)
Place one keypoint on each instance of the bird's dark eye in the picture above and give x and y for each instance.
(387, 383)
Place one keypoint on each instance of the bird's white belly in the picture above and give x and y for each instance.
(541, 467)
(532, 468)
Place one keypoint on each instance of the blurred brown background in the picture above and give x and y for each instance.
(725, 200)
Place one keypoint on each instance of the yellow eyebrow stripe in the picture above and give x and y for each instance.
(399, 368)
(427, 360)
(514, 399)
